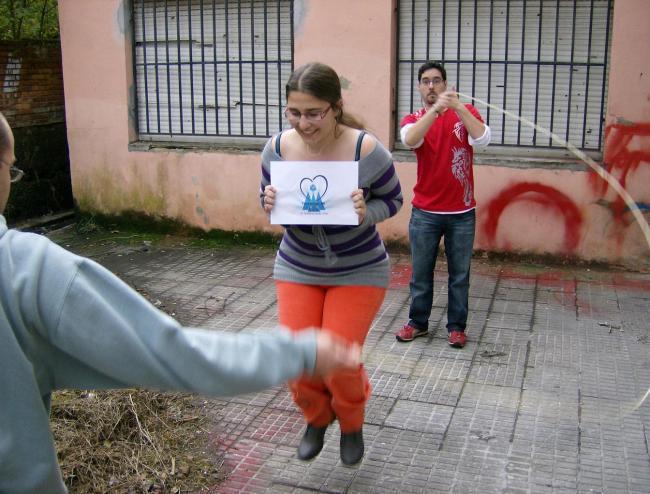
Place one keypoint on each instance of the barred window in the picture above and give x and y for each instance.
(206, 69)
(545, 60)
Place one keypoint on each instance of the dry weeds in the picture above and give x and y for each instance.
(133, 441)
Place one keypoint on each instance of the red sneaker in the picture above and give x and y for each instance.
(409, 333)
(457, 339)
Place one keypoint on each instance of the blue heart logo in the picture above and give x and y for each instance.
(313, 189)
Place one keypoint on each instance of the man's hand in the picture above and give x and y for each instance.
(447, 99)
(333, 352)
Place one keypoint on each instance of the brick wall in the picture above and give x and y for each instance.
(31, 83)
(31, 97)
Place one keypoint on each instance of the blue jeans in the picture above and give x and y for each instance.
(425, 232)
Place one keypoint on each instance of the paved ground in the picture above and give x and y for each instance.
(542, 399)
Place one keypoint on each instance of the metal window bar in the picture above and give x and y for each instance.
(239, 67)
(538, 67)
(474, 44)
(573, 46)
(266, 69)
(155, 49)
(604, 82)
(458, 44)
(228, 67)
(557, 35)
(543, 63)
(214, 65)
(280, 65)
(505, 76)
(205, 103)
(413, 40)
(146, 78)
(169, 94)
(521, 70)
(591, 25)
(211, 69)
(253, 74)
(489, 91)
(191, 51)
(428, 32)
(180, 74)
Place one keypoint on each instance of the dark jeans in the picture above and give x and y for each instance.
(425, 232)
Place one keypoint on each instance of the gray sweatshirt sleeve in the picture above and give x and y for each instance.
(101, 333)
(66, 322)
(109, 327)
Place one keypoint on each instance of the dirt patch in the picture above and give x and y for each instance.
(133, 441)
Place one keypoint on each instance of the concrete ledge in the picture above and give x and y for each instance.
(511, 160)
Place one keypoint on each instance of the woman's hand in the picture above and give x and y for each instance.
(269, 198)
(359, 204)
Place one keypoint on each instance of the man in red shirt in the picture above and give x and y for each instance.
(443, 134)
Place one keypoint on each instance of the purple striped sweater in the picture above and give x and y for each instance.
(341, 255)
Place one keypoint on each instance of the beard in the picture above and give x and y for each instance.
(431, 98)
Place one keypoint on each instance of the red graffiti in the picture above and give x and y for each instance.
(620, 160)
(541, 194)
(400, 275)
(623, 155)
(618, 155)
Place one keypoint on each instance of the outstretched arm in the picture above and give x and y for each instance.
(101, 334)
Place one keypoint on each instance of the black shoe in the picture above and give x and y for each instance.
(352, 447)
(311, 442)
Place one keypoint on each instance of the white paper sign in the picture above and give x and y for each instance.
(314, 192)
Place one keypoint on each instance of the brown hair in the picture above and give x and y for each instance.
(432, 65)
(322, 82)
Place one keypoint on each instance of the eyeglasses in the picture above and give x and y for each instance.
(435, 81)
(15, 174)
(312, 116)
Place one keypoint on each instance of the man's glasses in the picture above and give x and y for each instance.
(15, 174)
(312, 116)
(435, 81)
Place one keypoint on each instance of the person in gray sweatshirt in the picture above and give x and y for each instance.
(68, 323)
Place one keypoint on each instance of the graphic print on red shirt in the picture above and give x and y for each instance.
(445, 177)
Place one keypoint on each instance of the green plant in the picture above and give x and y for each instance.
(28, 19)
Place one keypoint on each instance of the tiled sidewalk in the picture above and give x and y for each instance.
(542, 398)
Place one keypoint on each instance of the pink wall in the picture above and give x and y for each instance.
(358, 45)
(629, 82)
(205, 189)
(538, 210)
(627, 132)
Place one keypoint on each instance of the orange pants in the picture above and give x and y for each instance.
(346, 311)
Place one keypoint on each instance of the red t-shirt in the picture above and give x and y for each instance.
(445, 178)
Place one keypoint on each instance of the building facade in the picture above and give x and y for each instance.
(169, 102)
